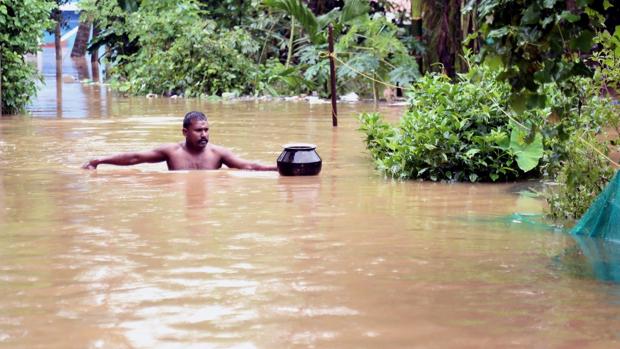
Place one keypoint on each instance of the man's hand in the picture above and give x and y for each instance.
(90, 165)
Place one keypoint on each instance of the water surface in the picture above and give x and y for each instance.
(140, 257)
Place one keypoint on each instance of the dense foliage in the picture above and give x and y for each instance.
(555, 73)
(368, 46)
(167, 47)
(587, 136)
(455, 131)
(582, 177)
(539, 42)
(196, 48)
(22, 23)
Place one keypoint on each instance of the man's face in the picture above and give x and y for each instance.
(197, 134)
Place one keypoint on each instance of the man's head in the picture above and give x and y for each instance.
(196, 129)
(191, 116)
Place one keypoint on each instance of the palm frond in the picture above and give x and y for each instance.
(298, 10)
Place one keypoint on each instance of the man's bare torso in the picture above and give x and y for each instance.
(178, 157)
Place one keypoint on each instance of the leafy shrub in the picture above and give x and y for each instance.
(179, 52)
(592, 128)
(274, 78)
(583, 175)
(21, 25)
(455, 131)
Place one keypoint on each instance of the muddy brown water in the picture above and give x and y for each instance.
(141, 257)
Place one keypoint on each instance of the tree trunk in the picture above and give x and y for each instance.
(94, 55)
(416, 29)
(450, 37)
(443, 35)
(58, 47)
(320, 7)
(290, 43)
(81, 39)
(416, 19)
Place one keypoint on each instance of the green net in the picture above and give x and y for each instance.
(602, 220)
(602, 258)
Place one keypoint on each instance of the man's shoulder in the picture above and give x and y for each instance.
(218, 148)
(169, 147)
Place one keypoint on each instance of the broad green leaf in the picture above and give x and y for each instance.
(528, 154)
(471, 152)
(503, 141)
(299, 10)
(498, 33)
(531, 15)
(494, 62)
(584, 41)
(353, 9)
(569, 16)
(518, 101)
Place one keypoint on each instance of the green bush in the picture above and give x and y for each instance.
(590, 130)
(21, 26)
(274, 78)
(583, 175)
(456, 131)
(177, 51)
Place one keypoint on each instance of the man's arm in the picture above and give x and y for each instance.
(231, 160)
(127, 159)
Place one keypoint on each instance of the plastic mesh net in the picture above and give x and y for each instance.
(602, 220)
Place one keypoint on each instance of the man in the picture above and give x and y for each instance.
(196, 153)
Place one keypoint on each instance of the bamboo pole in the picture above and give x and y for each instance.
(1, 49)
(290, 43)
(332, 75)
(57, 46)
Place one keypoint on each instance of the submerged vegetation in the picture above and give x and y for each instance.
(455, 131)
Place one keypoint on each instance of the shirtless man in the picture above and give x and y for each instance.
(196, 153)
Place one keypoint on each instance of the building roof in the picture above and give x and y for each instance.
(70, 7)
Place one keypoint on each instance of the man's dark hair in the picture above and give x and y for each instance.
(191, 116)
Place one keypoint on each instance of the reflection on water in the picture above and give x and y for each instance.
(65, 96)
(141, 257)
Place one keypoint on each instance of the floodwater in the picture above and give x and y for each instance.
(140, 257)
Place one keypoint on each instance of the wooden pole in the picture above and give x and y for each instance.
(332, 75)
(94, 57)
(1, 47)
(57, 45)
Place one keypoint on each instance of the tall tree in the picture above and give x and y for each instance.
(443, 34)
(56, 16)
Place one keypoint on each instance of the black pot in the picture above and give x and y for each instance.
(299, 160)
